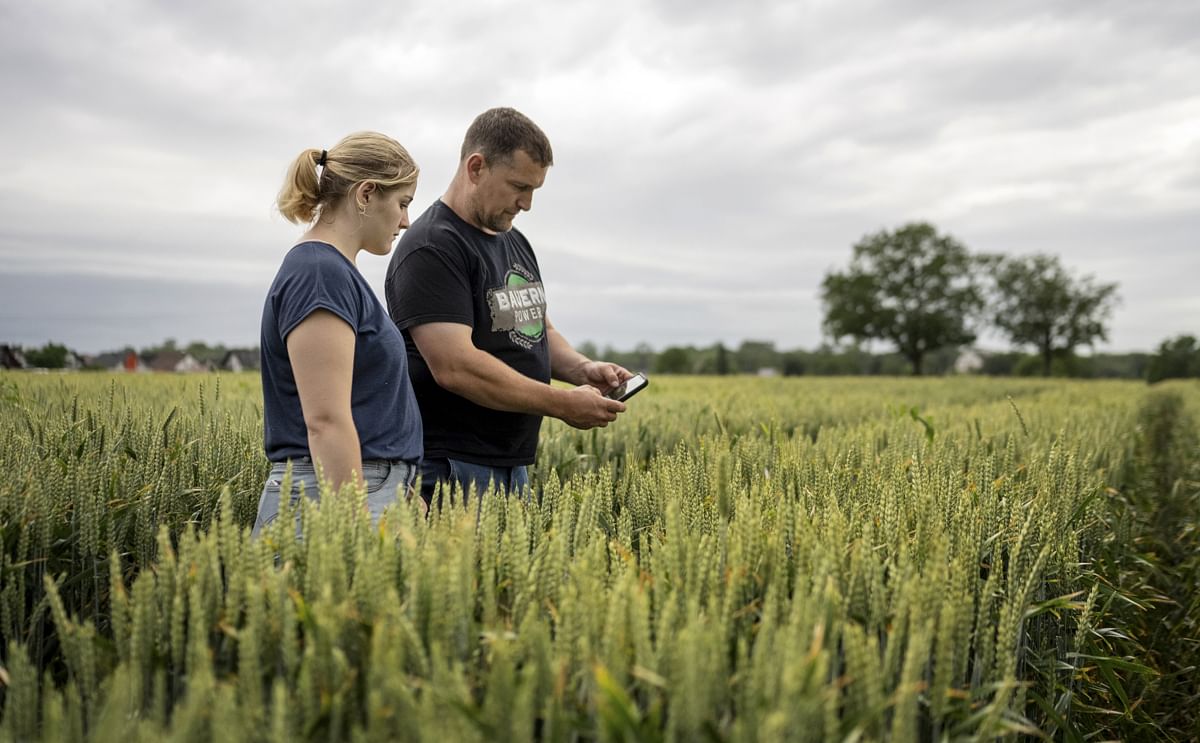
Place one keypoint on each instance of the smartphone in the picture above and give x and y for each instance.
(628, 388)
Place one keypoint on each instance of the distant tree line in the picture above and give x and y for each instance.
(762, 358)
(1175, 358)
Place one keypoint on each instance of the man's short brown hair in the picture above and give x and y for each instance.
(498, 133)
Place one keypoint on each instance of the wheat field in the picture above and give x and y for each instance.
(735, 559)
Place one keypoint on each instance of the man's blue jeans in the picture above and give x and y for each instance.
(465, 477)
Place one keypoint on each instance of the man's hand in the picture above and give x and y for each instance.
(572, 367)
(602, 375)
(584, 407)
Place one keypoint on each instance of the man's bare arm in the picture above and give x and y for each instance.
(458, 366)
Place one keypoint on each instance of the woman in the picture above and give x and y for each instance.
(336, 395)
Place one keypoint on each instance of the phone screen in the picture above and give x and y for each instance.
(628, 388)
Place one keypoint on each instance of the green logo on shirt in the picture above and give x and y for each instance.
(518, 307)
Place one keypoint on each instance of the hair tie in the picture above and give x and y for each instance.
(321, 160)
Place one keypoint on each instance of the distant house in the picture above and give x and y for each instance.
(12, 358)
(131, 362)
(73, 361)
(175, 361)
(236, 361)
(968, 362)
(110, 361)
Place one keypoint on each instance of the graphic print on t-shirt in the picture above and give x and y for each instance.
(519, 307)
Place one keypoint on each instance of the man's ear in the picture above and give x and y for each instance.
(476, 164)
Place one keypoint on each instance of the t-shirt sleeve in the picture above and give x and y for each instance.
(430, 285)
(313, 283)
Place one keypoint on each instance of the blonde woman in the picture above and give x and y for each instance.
(336, 395)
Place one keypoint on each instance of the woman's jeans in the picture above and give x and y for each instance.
(468, 476)
(387, 482)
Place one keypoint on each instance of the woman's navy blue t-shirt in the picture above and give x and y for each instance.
(314, 275)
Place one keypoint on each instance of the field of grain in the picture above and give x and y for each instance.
(735, 559)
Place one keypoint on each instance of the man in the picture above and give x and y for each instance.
(465, 289)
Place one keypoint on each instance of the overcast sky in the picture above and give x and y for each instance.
(712, 160)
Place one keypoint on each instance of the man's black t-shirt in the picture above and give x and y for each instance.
(445, 270)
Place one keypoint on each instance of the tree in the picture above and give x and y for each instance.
(755, 355)
(912, 287)
(674, 360)
(642, 357)
(587, 348)
(202, 352)
(795, 363)
(49, 356)
(1039, 304)
(1176, 358)
(722, 359)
